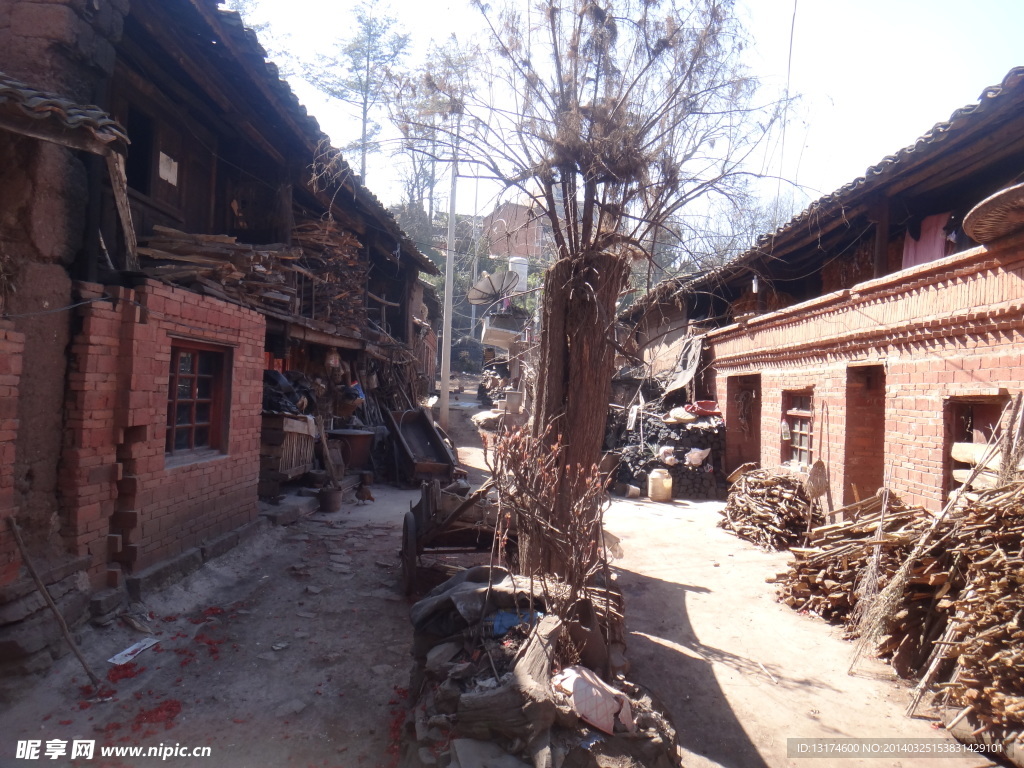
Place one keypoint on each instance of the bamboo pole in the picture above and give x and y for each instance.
(49, 601)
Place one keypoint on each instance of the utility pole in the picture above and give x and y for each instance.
(449, 282)
(476, 218)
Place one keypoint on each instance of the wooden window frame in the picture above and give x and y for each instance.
(202, 436)
(799, 413)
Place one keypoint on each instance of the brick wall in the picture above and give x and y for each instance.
(948, 329)
(11, 346)
(127, 505)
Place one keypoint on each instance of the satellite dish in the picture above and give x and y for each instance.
(491, 288)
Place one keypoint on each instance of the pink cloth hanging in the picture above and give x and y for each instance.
(930, 246)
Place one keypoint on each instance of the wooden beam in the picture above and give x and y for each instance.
(119, 185)
(46, 130)
(880, 215)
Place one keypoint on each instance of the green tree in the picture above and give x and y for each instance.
(361, 71)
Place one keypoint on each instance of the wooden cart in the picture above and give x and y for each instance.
(446, 523)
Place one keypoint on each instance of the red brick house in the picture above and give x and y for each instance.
(870, 331)
(131, 376)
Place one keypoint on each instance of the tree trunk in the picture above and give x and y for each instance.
(576, 365)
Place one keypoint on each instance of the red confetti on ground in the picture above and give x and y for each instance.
(124, 672)
(86, 690)
(213, 610)
(111, 727)
(66, 722)
(210, 644)
(163, 713)
(84, 705)
(170, 618)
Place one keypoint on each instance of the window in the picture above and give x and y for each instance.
(799, 446)
(139, 163)
(195, 397)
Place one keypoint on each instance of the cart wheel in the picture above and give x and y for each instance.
(409, 553)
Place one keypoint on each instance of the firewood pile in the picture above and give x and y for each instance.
(845, 560)
(769, 509)
(986, 635)
(321, 277)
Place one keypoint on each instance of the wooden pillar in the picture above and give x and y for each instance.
(880, 216)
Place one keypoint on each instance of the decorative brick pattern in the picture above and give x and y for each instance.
(951, 328)
(115, 479)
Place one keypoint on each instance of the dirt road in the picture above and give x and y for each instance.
(291, 651)
(738, 672)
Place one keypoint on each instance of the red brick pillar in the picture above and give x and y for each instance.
(11, 346)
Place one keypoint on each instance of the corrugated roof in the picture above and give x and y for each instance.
(58, 113)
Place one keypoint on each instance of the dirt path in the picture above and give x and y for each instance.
(292, 650)
(739, 672)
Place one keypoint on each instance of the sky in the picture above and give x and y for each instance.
(871, 76)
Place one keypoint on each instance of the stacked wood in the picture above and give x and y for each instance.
(322, 276)
(989, 612)
(822, 576)
(331, 272)
(768, 508)
(994, 471)
(828, 577)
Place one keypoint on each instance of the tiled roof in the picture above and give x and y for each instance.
(58, 113)
(877, 175)
(874, 180)
(246, 40)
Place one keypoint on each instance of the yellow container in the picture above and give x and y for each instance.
(659, 485)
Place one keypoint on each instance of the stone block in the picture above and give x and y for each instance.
(20, 640)
(220, 545)
(107, 601)
(164, 573)
(24, 607)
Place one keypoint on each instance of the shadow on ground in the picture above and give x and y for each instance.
(669, 660)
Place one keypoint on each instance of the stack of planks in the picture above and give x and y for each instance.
(322, 276)
(986, 636)
(219, 266)
(994, 471)
(769, 509)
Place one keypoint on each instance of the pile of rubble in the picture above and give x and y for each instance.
(498, 680)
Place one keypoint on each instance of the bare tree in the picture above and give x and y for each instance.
(619, 115)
